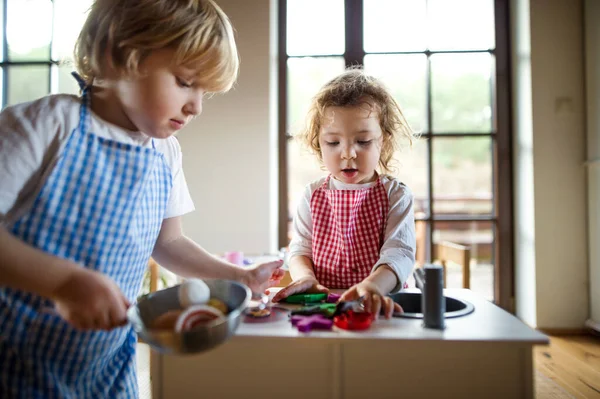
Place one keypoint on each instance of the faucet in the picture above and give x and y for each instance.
(430, 280)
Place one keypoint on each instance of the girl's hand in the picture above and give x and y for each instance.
(305, 284)
(374, 300)
(91, 300)
(263, 276)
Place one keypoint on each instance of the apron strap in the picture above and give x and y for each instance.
(84, 110)
(79, 79)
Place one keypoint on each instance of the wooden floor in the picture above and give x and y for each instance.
(568, 368)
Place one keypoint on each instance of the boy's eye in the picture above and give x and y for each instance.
(183, 83)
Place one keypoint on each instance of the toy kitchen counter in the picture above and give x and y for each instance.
(484, 354)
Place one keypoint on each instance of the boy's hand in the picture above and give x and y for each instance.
(263, 276)
(91, 300)
(374, 301)
(305, 284)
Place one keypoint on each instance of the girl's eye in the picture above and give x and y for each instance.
(364, 142)
(332, 143)
(183, 83)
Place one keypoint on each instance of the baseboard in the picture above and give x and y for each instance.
(564, 331)
(593, 325)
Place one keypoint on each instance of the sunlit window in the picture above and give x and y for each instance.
(438, 58)
(40, 35)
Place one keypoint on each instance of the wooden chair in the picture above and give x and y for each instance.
(286, 280)
(154, 270)
(455, 253)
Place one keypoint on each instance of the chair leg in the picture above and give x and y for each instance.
(467, 269)
(153, 275)
(444, 269)
(466, 272)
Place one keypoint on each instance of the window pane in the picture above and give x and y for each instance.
(69, 16)
(27, 83)
(303, 168)
(406, 77)
(305, 78)
(411, 167)
(2, 55)
(383, 32)
(29, 29)
(315, 27)
(66, 81)
(479, 237)
(461, 24)
(461, 95)
(462, 176)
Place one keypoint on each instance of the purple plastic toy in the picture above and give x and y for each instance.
(313, 322)
(333, 298)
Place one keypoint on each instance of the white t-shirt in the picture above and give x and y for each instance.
(33, 134)
(398, 250)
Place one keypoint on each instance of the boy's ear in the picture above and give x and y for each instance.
(109, 69)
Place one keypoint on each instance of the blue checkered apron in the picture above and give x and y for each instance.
(101, 207)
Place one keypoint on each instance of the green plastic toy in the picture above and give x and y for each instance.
(325, 309)
(305, 298)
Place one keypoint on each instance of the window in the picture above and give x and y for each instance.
(37, 44)
(446, 63)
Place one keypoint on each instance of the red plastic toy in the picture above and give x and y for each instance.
(351, 320)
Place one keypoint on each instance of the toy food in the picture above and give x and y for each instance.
(193, 292)
(198, 308)
(195, 316)
(166, 321)
(218, 304)
(266, 312)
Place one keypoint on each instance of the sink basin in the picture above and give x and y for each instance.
(411, 303)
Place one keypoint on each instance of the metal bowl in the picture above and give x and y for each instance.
(202, 338)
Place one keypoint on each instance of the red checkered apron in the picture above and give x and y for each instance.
(348, 231)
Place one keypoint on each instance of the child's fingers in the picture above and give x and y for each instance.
(322, 288)
(126, 302)
(278, 274)
(376, 306)
(82, 322)
(271, 266)
(349, 295)
(388, 307)
(118, 317)
(397, 308)
(103, 321)
(368, 302)
(283, 293)
(291, 289)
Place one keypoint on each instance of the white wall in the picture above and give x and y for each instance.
(524, 222)
(592, 52)
(230, 150)
(550, 180)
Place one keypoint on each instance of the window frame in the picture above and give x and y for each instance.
(502, 135)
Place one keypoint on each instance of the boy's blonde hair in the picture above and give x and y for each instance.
(128, 30)
(355, 88)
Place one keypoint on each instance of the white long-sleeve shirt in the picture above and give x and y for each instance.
(398, 249)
